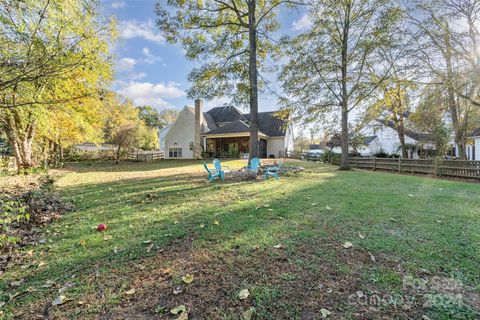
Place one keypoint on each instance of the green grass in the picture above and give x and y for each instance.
(412, 226)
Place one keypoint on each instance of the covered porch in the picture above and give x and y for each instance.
(231, 146)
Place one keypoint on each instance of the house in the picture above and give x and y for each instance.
(473, 145)
(223, 132)
(381, 136)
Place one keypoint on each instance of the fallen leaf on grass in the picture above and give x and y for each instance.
(314, 204)
(147, 241)
(411, 195)
(347, 245)
(202, 226)
(187, 278)
(183, 316)
(177, 290)
(247, 314)
(107, 237)
(41, 264)
(48, 284)
(83, 242)
(325, 313)
(16, 283)
(130, 292)
(243, 294)
(216, 222)
(278, 246)
(394, 220)
(59, 300)
(149, 248)
(361, 236)
(178, 309)
(372, 257)
(328, 208)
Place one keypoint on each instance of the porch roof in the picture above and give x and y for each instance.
(237, 128)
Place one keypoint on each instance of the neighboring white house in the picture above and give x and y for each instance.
(223, 132)
(473, 147)
(381, 137)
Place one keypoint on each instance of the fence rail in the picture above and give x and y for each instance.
(146, 157)
(465, 169)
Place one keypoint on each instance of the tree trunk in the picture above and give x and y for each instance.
(401, 137)
(344, 165)
(117, 157)
(21, 139)
(253, 79)
(452, 103)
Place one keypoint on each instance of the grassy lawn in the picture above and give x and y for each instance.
(415, 240)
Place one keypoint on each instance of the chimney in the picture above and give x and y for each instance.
(197, 148)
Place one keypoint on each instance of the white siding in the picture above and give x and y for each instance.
(161, 137)
(387, 139)
(477, 148)
(276, 147)
(182, 133)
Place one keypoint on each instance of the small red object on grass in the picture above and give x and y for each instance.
(102, 227)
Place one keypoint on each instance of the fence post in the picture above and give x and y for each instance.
(399, 164)
(435, 169)
(374, 163)
(356, 162)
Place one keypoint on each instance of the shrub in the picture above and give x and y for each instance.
(381, 154)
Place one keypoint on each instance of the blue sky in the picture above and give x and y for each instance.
(152, 72)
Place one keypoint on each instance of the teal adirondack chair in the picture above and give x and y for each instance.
(215, 173)
(272, 171)
(254, 165)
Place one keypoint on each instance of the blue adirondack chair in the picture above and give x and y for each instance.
(272, 171)
(254, 165)
(214, 173)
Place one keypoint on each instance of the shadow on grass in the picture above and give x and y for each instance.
(169, 210)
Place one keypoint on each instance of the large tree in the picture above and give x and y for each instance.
(232, 39)
(53, 62)
(332, 64)
(448, 49)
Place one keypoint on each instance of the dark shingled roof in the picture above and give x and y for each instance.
(209, 123)
(225, 114)
(232, 127)
(369, 139)
(268, 122)
(421, 137)
(475, 133)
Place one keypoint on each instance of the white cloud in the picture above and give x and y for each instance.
(146, 93)
(303, 23)
(138, 76)
(126, 64)
(139, 29)
(118, 4)
(150, 58)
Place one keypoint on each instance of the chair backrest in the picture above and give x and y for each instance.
(217, 164)
(206, 168)
(254, 164)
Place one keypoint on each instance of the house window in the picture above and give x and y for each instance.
(191, 145)
(175, 152)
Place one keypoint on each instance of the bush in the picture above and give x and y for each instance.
(331, 157)
(381, 154)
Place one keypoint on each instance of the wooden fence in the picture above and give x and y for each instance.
(465, 169)
(146, 156)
